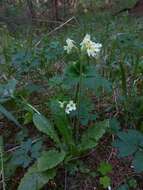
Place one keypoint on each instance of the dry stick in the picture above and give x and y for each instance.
(63, 24)
(112, 151)
(2, 171)
(66, 175)
(18, 146)
(115, 97)
(57, 28)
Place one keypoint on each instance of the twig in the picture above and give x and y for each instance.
(65, 188)
(112, 151)
(115, 99)
(82, 156)
(57, 28)
(2, 168)
(18, 146)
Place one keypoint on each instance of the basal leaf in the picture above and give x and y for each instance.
(35, 180)
(43, 125)
(93, 134)
(65, 130)
(50, 159)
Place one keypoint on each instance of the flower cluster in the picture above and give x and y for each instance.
(91, 47)
(87, 45)
(69, 107)
(70, 45)
(62, 104)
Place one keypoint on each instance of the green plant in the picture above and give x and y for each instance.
(104, 169)
(63, 126)
(68, 149)
(130, 184)
(105, 181)
(48, 78)
(7, 93)
(130, 143)
(26, 154)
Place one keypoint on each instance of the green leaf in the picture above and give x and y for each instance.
(50, 159)
(131, 136)
(28, 117)
(105, 168)
(93, 134)
(123, 187)
(35, 180)
(105, 181)
(138, 161)
(94, 83)
(9, 115)
(125, 149)
(7, 90)
(114, 125)
(27, 153)
(128, 142)
(43, 125)
(65, 130)
(132, 183)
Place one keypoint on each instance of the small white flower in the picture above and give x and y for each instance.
(109, 188)
(86, 41)
(62, 104)
(71, 106)
(67, 110)
(70, 45)
(90, 47)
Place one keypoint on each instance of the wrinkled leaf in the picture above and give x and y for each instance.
(125, 149)
(35, 180)
(65, 130)
(50, 159)
(105, 181)
(93, 134)
(128, 142)
(104, 168)
(43, 125)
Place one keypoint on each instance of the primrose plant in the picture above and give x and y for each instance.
(72, 109)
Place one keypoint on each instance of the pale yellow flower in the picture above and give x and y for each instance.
(71, 106)
(62, 104)
(70, 45)
(90, 47)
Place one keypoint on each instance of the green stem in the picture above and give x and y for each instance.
(79, 102)
(136, 65)
(123, 75)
